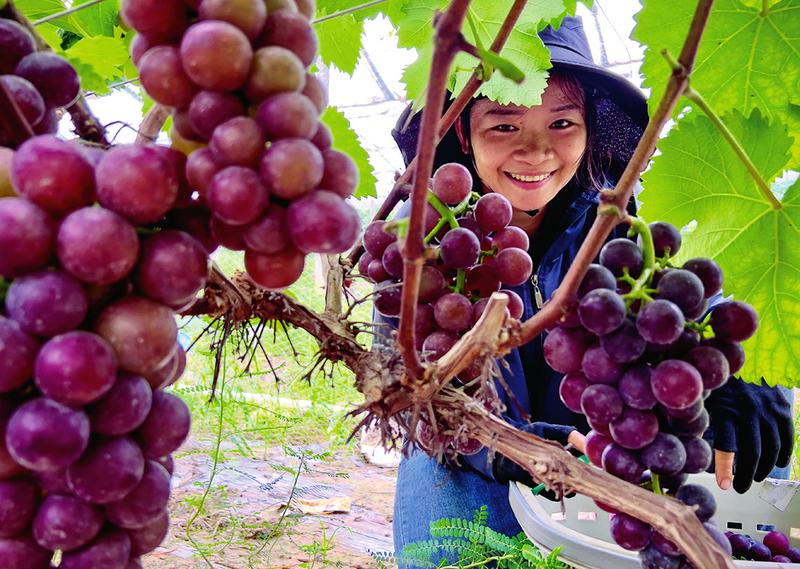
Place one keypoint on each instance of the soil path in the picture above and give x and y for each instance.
(245, 524)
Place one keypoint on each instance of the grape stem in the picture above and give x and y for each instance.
(656, 484)
(461, 281)
(67, 12)
(399, 191)
(448, 215)
(735, 145)
(640, 285)
(447, 30)
(352, 10)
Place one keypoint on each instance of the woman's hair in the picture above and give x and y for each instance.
(593, 168)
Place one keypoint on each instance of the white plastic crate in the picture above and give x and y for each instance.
(584, 535)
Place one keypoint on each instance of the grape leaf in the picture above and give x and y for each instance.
(95, 20)
(340, 42)
(746, 59)
(698, 178)
(98, 60)
(524, 48)
(340, 37)
(345, 140)
(392, 9)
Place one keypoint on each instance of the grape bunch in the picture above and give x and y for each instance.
(246, 110)
(639, 357)
(87, 346)
(775, 547)
(472, 251)
(39, 82)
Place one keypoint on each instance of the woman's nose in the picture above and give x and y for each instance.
(533, 148)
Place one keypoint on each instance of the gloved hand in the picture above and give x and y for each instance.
(506, 470)
(752, 423)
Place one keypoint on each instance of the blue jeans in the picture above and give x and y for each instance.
(786, 471)
(427, 491)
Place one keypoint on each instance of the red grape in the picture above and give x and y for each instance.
(341, 174)
(166, 427)
(322, 222)
(124, 408)
(15, 43)
(237, 196)
(66, 523)
(19, 498)
(163, 77)
(25, 96)
(26, 236)
(209, 109)
(47, 303)
(136, 182)
(75, 368)
(452, 183)
(159, 20)
(237, 142)
(53, 174)
(141, 332)
(97, 246)
(275, 69)
(45, 436)
(17, 355)
(287, 115)
(146, 502)
(493, 212)
(53, 77)
(275, 271)
(269, 234)
(292, 167)
(292, 31)
(216, 55)
(108, 470)
(247, 15)
(112, 548)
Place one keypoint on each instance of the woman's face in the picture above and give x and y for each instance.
(528, 154)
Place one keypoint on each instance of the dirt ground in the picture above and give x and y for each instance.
(245, 523)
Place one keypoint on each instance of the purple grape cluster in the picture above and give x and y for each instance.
(262, 164)
(639, 358)
(471, 257)
(39, 82)
(775, 547)
(87, 346)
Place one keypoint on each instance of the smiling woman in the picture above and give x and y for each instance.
(528, 154)
(550, 161)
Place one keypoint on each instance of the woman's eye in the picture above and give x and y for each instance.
(561, 123)
(504, 127)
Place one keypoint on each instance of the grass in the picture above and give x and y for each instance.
(275, 393)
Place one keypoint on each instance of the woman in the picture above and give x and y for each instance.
(550, 161)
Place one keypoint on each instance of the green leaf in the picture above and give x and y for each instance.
(95, 20)
(340, 42)
(698, 178)
(346, 140)
(392, 9)
(746, 60)
(523, 49)
(98, 60)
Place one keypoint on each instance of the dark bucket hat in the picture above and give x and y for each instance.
(621, 106)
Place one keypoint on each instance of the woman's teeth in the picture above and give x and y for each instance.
(529, 178)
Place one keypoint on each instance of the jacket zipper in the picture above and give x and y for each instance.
(537, 293)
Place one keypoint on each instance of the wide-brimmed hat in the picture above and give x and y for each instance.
(621, 106)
